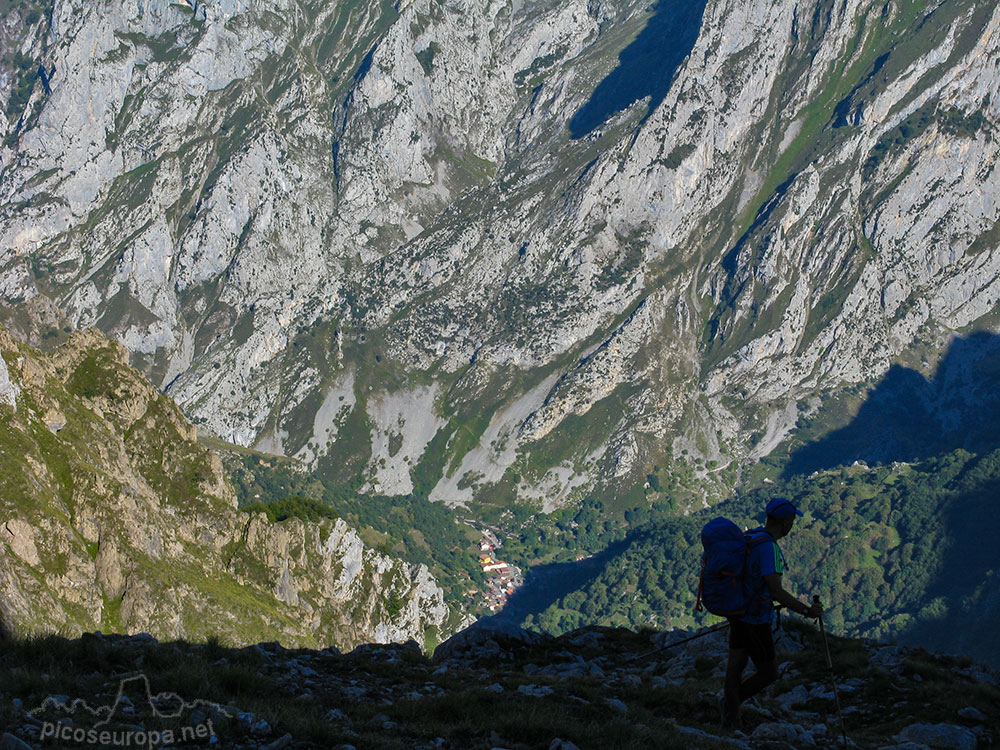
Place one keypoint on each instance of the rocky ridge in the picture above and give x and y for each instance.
(113, 516)
(495, 686)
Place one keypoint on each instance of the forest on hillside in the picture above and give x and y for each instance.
(894, 551)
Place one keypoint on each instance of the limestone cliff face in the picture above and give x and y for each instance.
(112, 517)
(300, 217)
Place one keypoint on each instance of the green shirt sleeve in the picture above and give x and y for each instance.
(771, 559)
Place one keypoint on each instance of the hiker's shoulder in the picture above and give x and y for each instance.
(759, 536)
(762, 545)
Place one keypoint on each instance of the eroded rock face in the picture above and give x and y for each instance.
(266, 204)
(120, 521)
(8, 389)
(20, 538)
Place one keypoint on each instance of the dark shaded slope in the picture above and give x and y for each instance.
(546, 584)
(593, 689)
(908, 417)
(646, 67)
(963, 605)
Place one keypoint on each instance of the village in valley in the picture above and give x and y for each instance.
(503, 579)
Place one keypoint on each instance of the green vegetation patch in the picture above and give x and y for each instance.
(899, 137)
(677, 155)
(14, 472)
(293, 507)
(426, 57)
(624, 267)
(174, 467)
(25, 73)
(533, 75)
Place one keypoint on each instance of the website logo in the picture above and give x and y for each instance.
(136, 718)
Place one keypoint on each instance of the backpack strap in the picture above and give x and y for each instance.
(758, 536)
(760, 539)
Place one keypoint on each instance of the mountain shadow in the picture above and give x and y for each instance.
(547, 584)
(963, 604)
(908, 417)
(646, 67)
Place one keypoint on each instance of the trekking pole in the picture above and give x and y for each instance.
(715, 629)
(833, 678)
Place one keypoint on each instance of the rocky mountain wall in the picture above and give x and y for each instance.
(264, 201)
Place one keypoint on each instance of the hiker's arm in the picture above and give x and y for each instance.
(782, 597)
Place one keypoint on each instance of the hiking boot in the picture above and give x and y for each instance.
(729, 722)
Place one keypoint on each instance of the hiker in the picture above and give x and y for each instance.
(750, 634)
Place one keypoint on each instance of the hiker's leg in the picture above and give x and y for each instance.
(767, 672)
(738, 659)
(765, 662)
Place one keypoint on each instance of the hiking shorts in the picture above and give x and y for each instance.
(755, 639)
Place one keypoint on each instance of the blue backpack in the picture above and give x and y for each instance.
(723, 588)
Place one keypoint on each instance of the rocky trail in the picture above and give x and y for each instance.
(490, 686)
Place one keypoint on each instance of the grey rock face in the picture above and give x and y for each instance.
(270, 205)
(971, 713)
(939, 736)
(488, 635)
(9, 390)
